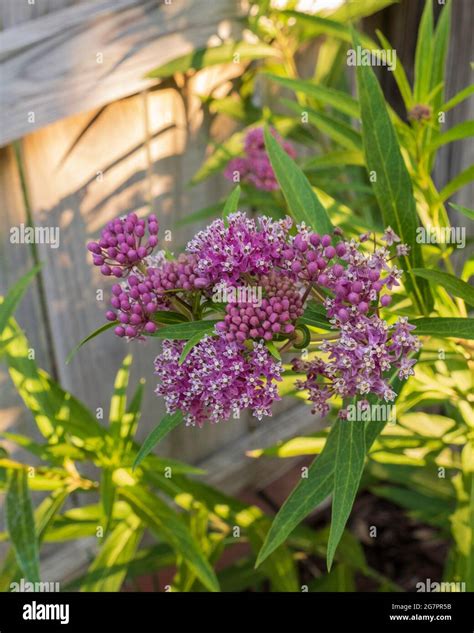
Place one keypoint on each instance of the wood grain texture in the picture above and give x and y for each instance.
(93, 53)
(13, 12)
(142, 149)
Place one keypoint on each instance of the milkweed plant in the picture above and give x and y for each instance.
(322, 276)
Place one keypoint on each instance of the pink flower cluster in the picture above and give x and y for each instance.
(233, 369)
(217, 379)
(276, 313)
(255, 167)
(123, 243)
(358, 361)
(242, 247)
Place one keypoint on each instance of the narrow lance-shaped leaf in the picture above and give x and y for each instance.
(109, 569)
(333, 127)
(458, 182)
(44, 516)
(131, 417)
(424, 54)
(186, 331)
(469, 213)
(302, 202)
(456, 133)
(189, 346)
(205, 57)
(350, 458)
(107, 496)
(458, 98)
(167, 424)
(14, 296)
(314, 25)
(118, 403)
(452, 284)
(390, 178)
(231, 203)
(444, 327)
(337, 99)
(440, 51)
(309, 493)
(166, 524)
(89, 337)
(398, 74)
(21, 525)
(319, 484)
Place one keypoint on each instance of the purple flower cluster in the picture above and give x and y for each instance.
(243, 247)
(275, 314)
(124, 244)
(217, 379)
(179, 274)
(255, 167)
(143, 293)
(134, 302)
(233, 369)
(358, 361)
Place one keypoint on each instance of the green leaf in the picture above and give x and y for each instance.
(193, 341)
(14, 296)
(204, 57)
(315, 315)
(167, 525)
(167, 424)
(458, 182)
(279, 568)
(335, 128)
(107, 495)
(318, 485)
(231, 203)
(350, 458)
(89, 337)
(168, 317)
(398, 74)
(132, 415)
(341, 101)
(220, 157)
(273, 349)
(44, 516)
(458, 98)
(424, 54)
(469, 213)
(185, 331)
(350, 11)
(302, 202)
(334, 159)
(444, 327)
(56, 411)
(118, 403)
(314, 25)
(305, 497)
(440, 51)
(109, 569)
(452, 284)
(456, 133)
(21, 525)
(392, 185)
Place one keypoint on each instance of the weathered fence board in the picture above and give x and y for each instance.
(65, 191)
(87, 55)
(15, 261)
